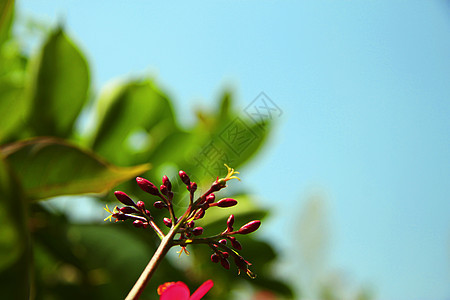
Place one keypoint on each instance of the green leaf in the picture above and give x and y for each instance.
(14, 240)
(223, 137)
(13, 108)
(133, 119)
(58, 88)
(49, 167)
(6, 18)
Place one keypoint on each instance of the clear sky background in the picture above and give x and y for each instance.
(365, 91)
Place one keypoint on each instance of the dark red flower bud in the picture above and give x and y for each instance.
(210, 198)
(227, 202)
(128, 210)
(230, 223)
(138, 223)
(164, 190)
(166, 182)
(225, 263)
(120, 216)
(185, 178)
(225, 254)
(241, 263)
(200, 214)
(190, 224)
(215, 258)
(141, 205)
(147, 186)
(167, 222)
(197, 231)
(223, 241)
(216, 186)
(192, 187)
(124, 198)
(249, 227)
(236, 245)
(170, 195)
(159, 205)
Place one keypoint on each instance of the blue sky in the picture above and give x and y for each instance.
(365, 92)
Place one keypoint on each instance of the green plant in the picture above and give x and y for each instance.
(184, 225)
(44, 155)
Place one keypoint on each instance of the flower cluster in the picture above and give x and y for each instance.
(184, 226)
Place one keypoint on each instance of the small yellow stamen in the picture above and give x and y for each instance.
(183, 249)
(111, 213)
(231, 173)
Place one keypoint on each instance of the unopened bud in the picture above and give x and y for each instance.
(225, 254)
(230, 223)
(241, 263)
(166, 182)
(164, 190)
(147, 186)
(159, 205)
(225, 263)
(120, 216)
(197, 231)
(128, 210)
(141, 205)
(190, 224)
(223, 241)
(185, 178)
(138, 223)
(167, 222)
(235, 243)
(210, 198)
(249, 227)
(200, 214)
(217, 185)
(227, 202)
(192, 187)
(215, 258)
(124, 198)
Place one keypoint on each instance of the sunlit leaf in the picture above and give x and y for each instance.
(50, 167)
(6, 17)
(223, 137)
(133, 119)
(13, 108)
(58, 87)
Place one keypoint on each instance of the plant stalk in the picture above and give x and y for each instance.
(166, 244)
(139, 286)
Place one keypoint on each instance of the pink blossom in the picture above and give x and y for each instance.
(180, 291)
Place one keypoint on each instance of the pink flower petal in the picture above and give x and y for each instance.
(176, 291)
(202, 290)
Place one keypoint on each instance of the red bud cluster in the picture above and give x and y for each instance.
(185, 226)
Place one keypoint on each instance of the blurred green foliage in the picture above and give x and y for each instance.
(45, 256)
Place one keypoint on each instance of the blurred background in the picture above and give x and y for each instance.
(336, 113)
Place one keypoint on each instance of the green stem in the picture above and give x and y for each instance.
(157, 230)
